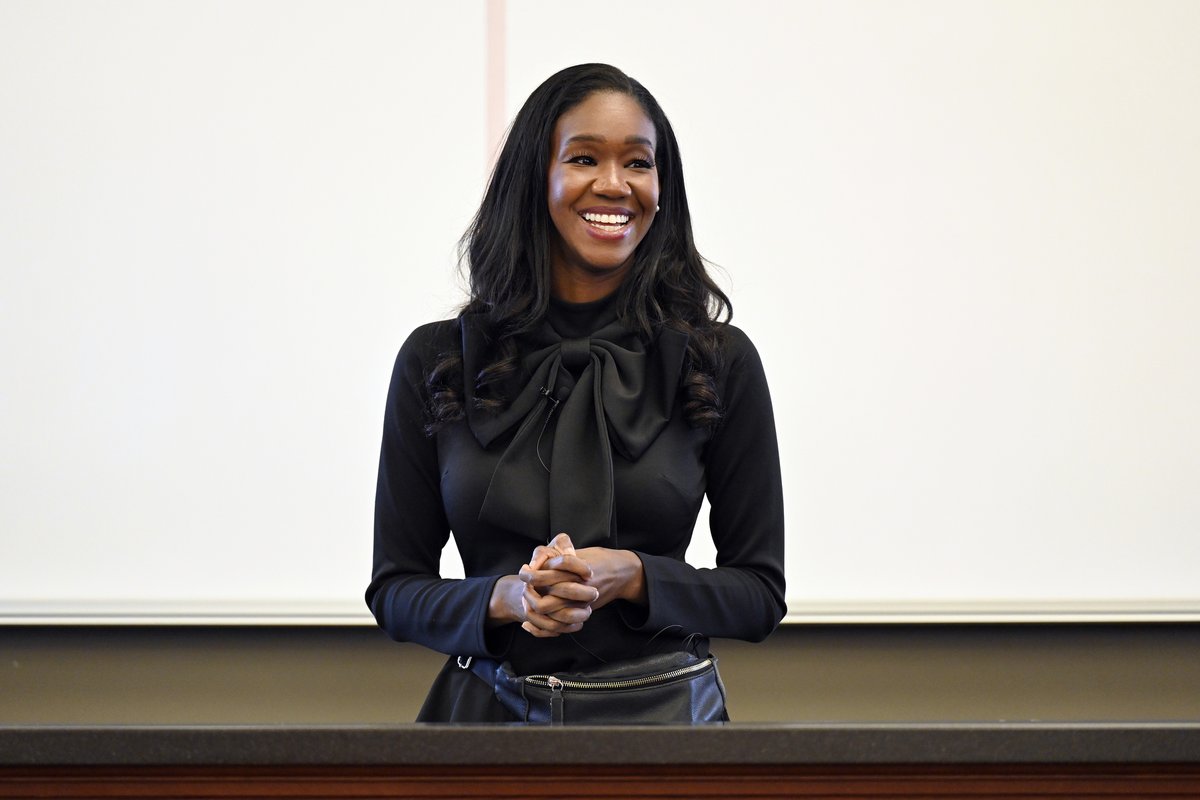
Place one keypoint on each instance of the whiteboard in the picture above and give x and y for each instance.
(962, 236)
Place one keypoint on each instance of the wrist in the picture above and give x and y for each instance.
(503, 605)
(634, 587)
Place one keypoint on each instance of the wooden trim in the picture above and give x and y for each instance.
(1109, 781)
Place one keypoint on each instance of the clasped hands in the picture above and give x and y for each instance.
(560, 587)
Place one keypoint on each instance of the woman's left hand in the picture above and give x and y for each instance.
(616, 574)
(560, 570)
(556, 599)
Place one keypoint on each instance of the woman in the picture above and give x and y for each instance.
(578, 408)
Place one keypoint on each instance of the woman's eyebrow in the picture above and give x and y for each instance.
(592, 137)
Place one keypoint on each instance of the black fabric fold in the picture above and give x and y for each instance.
(573, 402)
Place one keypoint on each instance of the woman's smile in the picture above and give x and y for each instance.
(608, 223)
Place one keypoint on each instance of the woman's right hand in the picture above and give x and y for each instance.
(547, 603)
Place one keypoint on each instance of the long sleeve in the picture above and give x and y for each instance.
(410, 601)
(743, 598)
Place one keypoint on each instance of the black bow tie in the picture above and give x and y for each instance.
(556, 474)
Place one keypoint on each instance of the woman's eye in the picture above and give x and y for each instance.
(585, 160)
(641, 163)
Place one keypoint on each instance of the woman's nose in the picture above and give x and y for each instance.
(611, 182)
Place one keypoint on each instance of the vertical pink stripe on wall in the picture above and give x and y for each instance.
(495, 79)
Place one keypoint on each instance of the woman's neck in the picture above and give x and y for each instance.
(573, 320)
(576, 286)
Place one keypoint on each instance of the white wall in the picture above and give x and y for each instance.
(962, 234)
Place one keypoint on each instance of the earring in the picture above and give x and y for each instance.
(657, 209)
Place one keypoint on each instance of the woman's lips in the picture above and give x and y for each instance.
(607, 223)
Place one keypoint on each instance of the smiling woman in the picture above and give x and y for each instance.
(603, 193)
(566, 427)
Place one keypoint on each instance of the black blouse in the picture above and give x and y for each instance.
(430, 486)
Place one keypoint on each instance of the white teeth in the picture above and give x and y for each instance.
(607, 219)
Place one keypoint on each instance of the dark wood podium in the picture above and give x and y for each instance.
(844, 761)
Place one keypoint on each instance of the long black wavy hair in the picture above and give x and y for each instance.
(506, 253)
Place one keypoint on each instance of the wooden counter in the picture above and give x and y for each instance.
(995, 760)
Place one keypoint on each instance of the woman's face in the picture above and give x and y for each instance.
(602, 188)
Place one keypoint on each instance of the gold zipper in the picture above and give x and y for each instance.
(555, 682)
